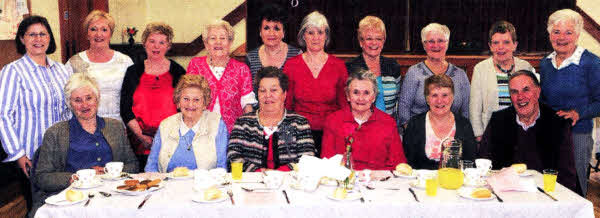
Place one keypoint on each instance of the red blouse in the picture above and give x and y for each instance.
(377, 145)
(153, 102)
(315, 98)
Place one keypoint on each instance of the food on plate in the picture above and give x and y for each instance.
(404, 169)
(481, 193)
(340, 193)
(519, 167)
(74, 195)
(136, 185)
(181, 172)
(212, 194)
(327, 181)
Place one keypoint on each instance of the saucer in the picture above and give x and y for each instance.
(61, 200)
(78, 185)
(466, 193)
(402, 175)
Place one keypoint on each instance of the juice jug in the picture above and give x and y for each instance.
(449, 173)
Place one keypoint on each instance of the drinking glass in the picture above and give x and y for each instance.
(236, 170)
(431, 185)
(550, 179)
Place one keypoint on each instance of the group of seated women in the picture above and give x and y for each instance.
(285, 104)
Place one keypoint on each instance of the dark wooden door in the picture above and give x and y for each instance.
(72, 34)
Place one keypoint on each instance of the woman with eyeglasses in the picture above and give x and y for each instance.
(435, 41)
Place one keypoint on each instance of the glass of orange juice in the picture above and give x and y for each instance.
(431, 184)
(550, 179)
(236, 170)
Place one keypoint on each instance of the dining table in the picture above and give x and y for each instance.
(388, 198)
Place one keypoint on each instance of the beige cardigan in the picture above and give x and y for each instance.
(484, 92)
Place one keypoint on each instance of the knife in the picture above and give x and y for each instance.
(542, 191)
(286, 196)
(144, 201)
(230, 193)
(497, 197)
(413, 193)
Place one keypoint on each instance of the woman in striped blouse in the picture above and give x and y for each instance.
(271, 137)
(31, 89)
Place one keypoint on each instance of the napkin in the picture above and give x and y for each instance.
(317, 167)
(509, 180)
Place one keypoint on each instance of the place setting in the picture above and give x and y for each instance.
(210, 186)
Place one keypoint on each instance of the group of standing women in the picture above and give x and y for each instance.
(283, 104)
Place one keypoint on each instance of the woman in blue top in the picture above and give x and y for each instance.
(570, 77)
(195, 137)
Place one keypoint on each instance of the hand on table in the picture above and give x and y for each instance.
(570, 114)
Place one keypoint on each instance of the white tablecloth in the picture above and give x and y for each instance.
(174, 200)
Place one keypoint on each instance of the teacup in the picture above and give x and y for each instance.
(218, 174)
(203, 179)
(113, 169)
(308, 182)
(273, 178)
(472, 176)
(364, 176)
(84, 177)
(483, 165)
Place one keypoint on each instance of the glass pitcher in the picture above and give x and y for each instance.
(449, 173)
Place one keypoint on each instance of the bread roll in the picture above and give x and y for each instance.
(181, 172)
(212, 194)
(404, 169)
(340, 193)
(481, 193)
(519, 167)
(73, 195)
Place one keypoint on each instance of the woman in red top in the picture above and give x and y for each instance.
(376, 144)
(147, 92)
(317, 79)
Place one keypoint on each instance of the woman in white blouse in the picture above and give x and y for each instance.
(105, 65)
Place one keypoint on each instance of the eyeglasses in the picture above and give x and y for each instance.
(439, 41)
(40, 34)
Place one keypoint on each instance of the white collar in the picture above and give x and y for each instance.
(183, 129)
(525, 126)
(575, 58)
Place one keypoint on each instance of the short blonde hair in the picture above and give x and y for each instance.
(97, 15)
(192, 81)
(158, 27)
(314, 19)
(80, 80)
(218, 24)
(565, 15)
(435, 27)
(370, 22)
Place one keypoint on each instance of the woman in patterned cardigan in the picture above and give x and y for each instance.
(271, 137)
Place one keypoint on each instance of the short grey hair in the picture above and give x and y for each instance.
(362, 74)
(218, 24)
(80, 80)
(314, 19)
(565, 15)
(435, 27)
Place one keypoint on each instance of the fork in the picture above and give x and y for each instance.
(90, 196)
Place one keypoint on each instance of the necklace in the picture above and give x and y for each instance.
(506, 71)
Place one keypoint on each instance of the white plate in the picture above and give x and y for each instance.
(526, 173)
(401, 175)
(480, 183)
(189, 176)
(351, 196)
(96, 183)
(61, 200)
(415, 184)
(466, 193)
(127, 192)
(199, 197)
